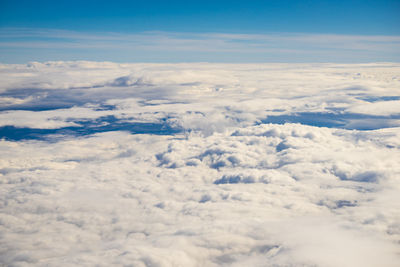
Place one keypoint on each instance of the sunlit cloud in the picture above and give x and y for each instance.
(200, 164)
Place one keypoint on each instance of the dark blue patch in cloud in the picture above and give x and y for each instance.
(235, 179)
(345, 203)
(372, 99)
(349, 121)
(103, 124)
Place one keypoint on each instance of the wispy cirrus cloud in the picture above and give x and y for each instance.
(27, 44)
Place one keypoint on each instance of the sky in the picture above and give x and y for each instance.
(207, 31)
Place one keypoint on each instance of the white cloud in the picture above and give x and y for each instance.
(203, 96)
(227, 190)
(382, 108)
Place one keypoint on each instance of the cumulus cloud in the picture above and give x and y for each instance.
(208, 97)
(241, 172)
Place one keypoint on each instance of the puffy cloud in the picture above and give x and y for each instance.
(208, 97)
(227, 188)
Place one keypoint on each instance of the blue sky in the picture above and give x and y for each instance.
(186, 31)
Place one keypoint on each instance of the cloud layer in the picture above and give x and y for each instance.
(253, 164)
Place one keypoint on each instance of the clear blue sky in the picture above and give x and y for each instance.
(94, 18)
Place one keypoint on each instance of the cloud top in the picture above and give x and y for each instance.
(199, 164)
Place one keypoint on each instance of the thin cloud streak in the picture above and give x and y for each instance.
(240, 47)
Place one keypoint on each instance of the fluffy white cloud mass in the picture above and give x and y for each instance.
(199, 164)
